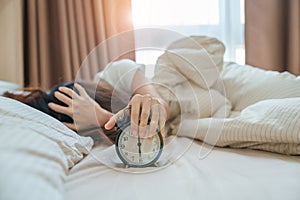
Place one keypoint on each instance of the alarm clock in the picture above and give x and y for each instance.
(135, 151)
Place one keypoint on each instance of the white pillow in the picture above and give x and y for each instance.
(36, 152)
(270, 125)
(6, 86)
(246, 85)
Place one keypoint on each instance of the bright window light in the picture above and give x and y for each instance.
(174, 12)
(242, 9)
(240, 55)
(148, 58)
(222, 19)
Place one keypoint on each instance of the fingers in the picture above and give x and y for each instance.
(81, 90)
(154, 120)
(71, 93)
(142, 108)
(112, 121)
(162, 120)
(63, 98)
(135, 104)
(110, 124)
(61, 109)
(68, 91)
(158, 120)
(145, 114)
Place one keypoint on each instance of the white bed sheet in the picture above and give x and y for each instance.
(223, 174)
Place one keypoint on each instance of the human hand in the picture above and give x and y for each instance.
(81, 107)
(142, 108)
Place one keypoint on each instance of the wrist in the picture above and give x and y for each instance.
(165, 105)
(103, 116)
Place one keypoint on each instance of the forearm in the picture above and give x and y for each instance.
(102, 116)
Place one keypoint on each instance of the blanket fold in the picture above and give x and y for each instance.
(185, 75)
(262, 109)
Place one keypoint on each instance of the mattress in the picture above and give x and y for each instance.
(40, 158)
(185, 174)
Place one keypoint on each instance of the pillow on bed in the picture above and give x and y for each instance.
(36, 152)
(246, 85)
(269, 125)
(5, 86)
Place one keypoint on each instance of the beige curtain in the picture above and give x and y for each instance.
(59, 34)
(272, 34)
(11, 41)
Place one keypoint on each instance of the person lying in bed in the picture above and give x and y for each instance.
(120, 88)
(187, 86)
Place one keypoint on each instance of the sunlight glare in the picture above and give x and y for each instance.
(174, 12)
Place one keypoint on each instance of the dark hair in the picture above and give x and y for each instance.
(39, 100)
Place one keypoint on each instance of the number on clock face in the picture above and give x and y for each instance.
(136, 151)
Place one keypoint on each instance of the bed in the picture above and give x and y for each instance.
(42, 159)
(223, 174)
(254, 156)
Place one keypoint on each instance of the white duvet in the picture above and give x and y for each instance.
(185, 75)
(232, 105)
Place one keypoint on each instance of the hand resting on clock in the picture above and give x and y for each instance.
(142, 109)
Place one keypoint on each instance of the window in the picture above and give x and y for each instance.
(175, 12)
(223, 19)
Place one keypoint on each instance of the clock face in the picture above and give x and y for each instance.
(138, 152)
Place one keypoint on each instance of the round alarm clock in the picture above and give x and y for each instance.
(135, 151)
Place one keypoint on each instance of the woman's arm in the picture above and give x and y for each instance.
(145, 103)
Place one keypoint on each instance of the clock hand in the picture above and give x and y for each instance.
(139, 144)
